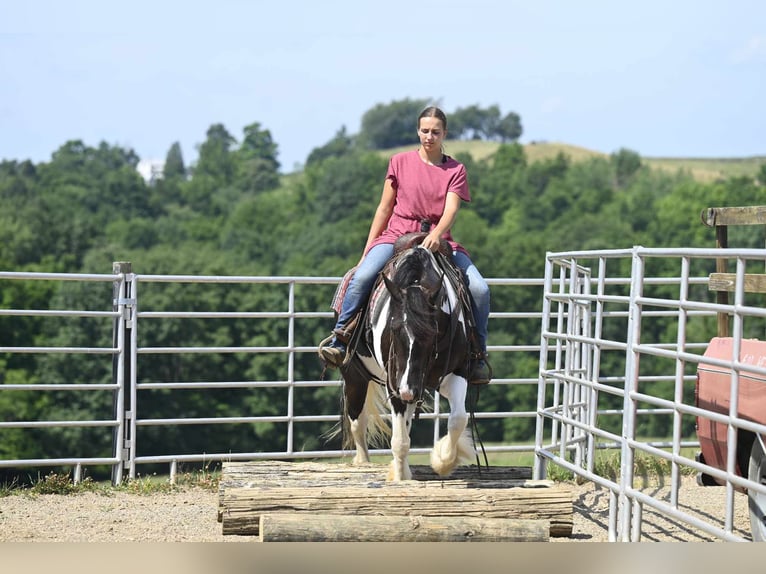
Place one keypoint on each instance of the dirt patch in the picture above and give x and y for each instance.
(190, 515)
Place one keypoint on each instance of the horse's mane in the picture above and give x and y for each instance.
(416, 277)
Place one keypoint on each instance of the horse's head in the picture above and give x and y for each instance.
(415, 287)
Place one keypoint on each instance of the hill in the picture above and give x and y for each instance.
(702, 169)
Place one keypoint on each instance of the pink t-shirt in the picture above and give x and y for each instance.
(421, 192)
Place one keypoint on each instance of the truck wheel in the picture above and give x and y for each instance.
(757, 501)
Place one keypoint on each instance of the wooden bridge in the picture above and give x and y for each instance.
(312, 501)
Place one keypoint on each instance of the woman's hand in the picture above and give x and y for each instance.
(451, 206)
(432, 241)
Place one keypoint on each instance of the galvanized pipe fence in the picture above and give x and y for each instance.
(591, 309)
(129, 353)
(585, 294)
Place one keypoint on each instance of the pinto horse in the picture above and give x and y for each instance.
(412, 338)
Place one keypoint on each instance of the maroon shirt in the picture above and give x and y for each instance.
(421, 192)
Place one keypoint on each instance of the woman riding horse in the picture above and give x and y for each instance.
(413, 338)
(423, 189)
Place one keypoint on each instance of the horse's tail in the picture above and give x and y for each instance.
(378, 430)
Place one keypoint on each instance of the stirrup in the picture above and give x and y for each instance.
(476, 360)
(331, 356)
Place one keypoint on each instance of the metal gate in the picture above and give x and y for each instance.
(620, 348)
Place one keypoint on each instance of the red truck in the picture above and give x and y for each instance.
(714, 393)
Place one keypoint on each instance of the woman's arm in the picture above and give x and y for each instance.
(451, 207)
(382, 213)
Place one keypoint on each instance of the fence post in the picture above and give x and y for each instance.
(627, 527)
(121, 364)
(539, 467)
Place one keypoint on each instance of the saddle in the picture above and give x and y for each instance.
(350, 335)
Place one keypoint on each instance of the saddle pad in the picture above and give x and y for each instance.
(340, 292)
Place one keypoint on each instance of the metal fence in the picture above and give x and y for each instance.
(603, 357)
(125, 350)
(602, 385)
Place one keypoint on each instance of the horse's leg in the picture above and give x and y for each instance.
(455, 447)
(401, 421)
(355, 392)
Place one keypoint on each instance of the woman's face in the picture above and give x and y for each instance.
(431, 133)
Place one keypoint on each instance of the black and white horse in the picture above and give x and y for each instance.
(412, 339)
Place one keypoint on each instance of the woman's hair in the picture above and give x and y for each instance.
(433, 112)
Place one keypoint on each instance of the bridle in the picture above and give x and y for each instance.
(438, 297)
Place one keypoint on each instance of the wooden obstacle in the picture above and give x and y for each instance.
(310, 501)
(353, 528)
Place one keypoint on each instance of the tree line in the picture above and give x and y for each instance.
(233, 213)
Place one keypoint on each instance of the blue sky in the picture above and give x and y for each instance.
(661, 77)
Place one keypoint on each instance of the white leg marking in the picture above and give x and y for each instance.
(359, 434)
(400, 445)
(455, 447)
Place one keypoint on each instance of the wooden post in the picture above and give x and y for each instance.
(722, 297)
(354, 528)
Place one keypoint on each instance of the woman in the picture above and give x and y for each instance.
(422, 185)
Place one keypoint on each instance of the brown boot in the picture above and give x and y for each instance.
(481, 372)
(332, 350)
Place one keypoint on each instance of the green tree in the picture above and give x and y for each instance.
(338, 146)
(81, 190)
(257, 165)
(391, 125)
(214, 172)
(216, 158)
(167, 190)
(626, 164)
(502, 186)
(509, 128)
(20, 202)
(474, 122)
(174, 163)
(348, 187)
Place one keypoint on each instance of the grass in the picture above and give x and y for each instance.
(62, 483)
(710, 169)
(702, 169)
(705, 170)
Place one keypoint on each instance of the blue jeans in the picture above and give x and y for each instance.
(365, 275)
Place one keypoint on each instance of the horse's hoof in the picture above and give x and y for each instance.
(440, 467)
(360, 461)
(394, 476)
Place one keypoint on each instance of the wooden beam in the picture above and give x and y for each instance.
(753, 282)
(749, 215)
(364, 528)
(310, 474)
(243, 507)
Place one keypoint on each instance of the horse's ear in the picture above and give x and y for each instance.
(396, 294)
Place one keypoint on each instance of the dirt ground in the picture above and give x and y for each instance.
(708, 504)
(190, 515)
